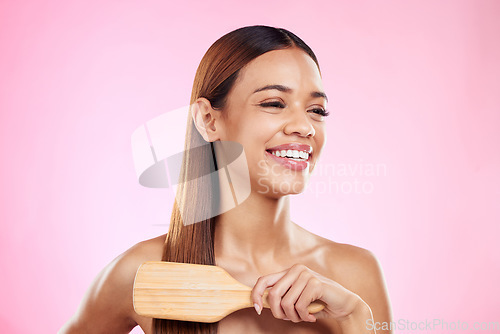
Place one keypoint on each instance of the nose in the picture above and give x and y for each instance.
(299, 123)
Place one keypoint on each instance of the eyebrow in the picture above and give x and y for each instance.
(286, 89)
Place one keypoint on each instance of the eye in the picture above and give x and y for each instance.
(320, 111)
(273, 104)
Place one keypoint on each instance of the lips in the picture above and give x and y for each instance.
(294, 156)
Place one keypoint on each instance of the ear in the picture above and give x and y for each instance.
(206, 119)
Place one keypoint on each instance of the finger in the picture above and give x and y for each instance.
(292, 295)
(261, 285)
(280, 288)
(311, 292)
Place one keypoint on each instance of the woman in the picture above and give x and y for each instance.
(259, 87)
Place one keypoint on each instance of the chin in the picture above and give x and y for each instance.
(280, 188)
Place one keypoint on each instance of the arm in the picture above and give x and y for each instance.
(362, 274)
(355, 306)
(292, 290)
(372, 289)
(107, 305)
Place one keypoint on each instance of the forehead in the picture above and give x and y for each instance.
(289, 67)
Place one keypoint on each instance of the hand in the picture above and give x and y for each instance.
(292, 290)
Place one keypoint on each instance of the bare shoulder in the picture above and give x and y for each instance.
(337, 259)
(355, 268)
(358, 270)
(340, 261)
(107, 305)
(147, 250)
(350, 262)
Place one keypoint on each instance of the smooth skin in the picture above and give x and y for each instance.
(256, 242)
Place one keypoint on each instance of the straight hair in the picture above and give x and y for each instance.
(215, 76)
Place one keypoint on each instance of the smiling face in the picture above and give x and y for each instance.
(275, 110)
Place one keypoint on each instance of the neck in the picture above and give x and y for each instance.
(257, 231)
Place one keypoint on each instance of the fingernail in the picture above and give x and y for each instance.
(286, 319)
(257, 308)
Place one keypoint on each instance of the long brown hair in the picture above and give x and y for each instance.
(215, 76)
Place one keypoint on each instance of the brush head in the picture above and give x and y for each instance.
(188, 292)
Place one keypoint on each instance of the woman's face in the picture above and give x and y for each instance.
(274, 111)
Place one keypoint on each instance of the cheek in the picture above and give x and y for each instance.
(257, 133)
(320, 137)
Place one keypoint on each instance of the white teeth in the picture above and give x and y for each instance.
(292, 154)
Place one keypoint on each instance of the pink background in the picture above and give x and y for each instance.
(413, 86)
